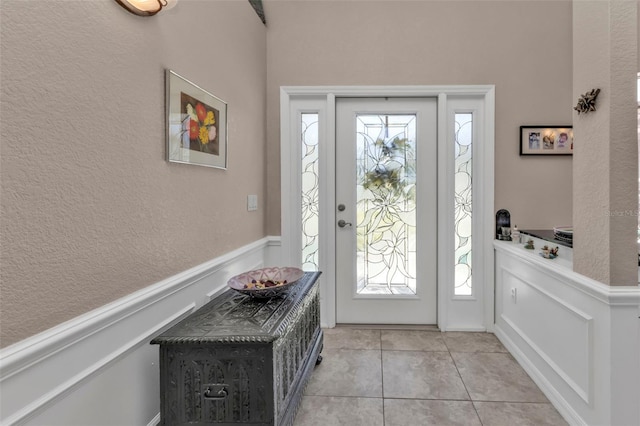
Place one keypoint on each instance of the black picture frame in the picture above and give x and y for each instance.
(546, 140)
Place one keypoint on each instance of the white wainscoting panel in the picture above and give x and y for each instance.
(574, 336)
(566, 349)
(99, 368)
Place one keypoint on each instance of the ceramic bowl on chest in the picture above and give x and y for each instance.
(266, 282)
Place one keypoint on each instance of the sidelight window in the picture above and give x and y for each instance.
(463, 184)
(310, 193)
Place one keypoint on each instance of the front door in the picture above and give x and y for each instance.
(386, 210)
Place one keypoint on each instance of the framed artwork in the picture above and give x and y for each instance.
(196, 124)
(546, 140)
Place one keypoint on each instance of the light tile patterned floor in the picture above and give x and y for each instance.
(408, 377)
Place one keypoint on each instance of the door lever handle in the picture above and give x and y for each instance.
(342, 223)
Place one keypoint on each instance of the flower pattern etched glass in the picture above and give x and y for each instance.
(386, 204)
(463, 203)
(310, 203)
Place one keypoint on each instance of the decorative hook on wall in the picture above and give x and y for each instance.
(146, 7)
(587, 102)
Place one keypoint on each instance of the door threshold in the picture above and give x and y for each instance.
(390, 327)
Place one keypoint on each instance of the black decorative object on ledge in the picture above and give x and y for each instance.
(587, 102)
(503, 220)
(241, 360)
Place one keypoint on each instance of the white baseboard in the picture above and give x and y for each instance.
(468, 329)
(100, 365)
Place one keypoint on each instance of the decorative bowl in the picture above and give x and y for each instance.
(290, 274)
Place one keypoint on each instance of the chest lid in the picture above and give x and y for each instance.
(235, 318)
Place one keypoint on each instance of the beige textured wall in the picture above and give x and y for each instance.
(605, 164)
(90, 209)
(523, 47)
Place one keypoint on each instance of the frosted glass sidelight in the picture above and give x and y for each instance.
(386, 204)
(463, 204)
(310, 203)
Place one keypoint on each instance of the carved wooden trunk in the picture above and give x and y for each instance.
(240, 360)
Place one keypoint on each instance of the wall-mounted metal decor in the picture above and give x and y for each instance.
(587, 102)
(259, 8)
(196, 124)
(546, 140)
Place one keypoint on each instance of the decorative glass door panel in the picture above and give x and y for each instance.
(386, 204)
(463, 203)
(386, 211)
(310, 194)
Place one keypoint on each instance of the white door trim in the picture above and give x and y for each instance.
(292, 97)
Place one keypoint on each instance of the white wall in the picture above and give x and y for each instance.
(91, 211)
(605, 47)
(523, 47)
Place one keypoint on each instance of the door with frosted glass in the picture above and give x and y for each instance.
(386, 192)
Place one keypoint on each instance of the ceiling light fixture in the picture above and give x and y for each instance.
(146, 7)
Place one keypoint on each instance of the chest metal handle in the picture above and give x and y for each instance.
(216, 392)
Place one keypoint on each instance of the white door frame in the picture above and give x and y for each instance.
(322, 99)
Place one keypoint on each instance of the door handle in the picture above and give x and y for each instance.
(342, 223)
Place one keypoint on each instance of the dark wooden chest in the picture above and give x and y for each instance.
(241, 360)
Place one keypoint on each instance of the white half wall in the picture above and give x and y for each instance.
(576, 337)
(99, 368)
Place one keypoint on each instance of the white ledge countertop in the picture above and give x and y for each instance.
(563, 268)
(565, 254)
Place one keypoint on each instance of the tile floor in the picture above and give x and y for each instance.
(408, 377)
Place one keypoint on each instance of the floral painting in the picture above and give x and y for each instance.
(196, 124)
(200, 130)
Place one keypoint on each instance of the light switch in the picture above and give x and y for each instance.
(252, 203)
